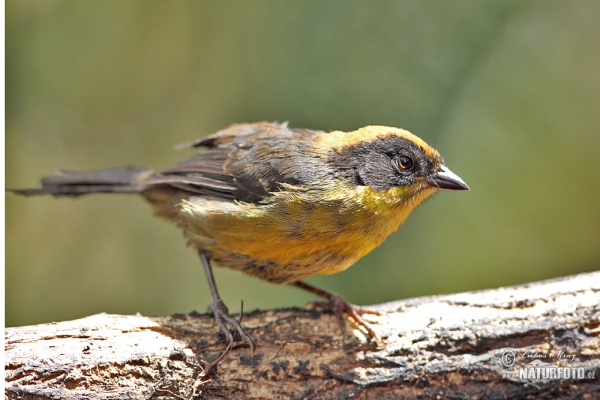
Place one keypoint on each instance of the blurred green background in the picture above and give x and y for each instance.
(507, 91)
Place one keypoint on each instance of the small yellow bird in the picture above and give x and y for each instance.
(282, 203)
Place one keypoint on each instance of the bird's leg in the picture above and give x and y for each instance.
(221, 313)
(342, 307)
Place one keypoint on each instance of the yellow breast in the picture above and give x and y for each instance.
(298, 233)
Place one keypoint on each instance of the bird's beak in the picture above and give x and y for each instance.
(446, 179)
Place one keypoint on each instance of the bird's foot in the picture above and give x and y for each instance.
(221, 314)
(342, 308)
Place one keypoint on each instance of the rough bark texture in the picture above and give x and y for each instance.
(449, 347)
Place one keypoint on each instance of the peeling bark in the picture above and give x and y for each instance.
(455, 346)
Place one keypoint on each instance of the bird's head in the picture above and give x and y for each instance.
(390, 164)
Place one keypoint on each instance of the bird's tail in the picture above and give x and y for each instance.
(68, 183)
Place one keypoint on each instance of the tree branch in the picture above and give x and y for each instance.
(468, 345)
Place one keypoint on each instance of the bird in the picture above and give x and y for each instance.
(281, 203)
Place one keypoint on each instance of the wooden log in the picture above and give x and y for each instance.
(482, 344)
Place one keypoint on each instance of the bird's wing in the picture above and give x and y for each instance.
(244, 162)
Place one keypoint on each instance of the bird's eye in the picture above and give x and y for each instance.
(405, 163)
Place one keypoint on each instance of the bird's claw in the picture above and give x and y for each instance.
(222, 317)
(342, 308)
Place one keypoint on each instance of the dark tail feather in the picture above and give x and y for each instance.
(69, 183)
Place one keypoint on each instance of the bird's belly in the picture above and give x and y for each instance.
(282, 242)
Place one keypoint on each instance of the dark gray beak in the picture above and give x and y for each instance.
(446, 179)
